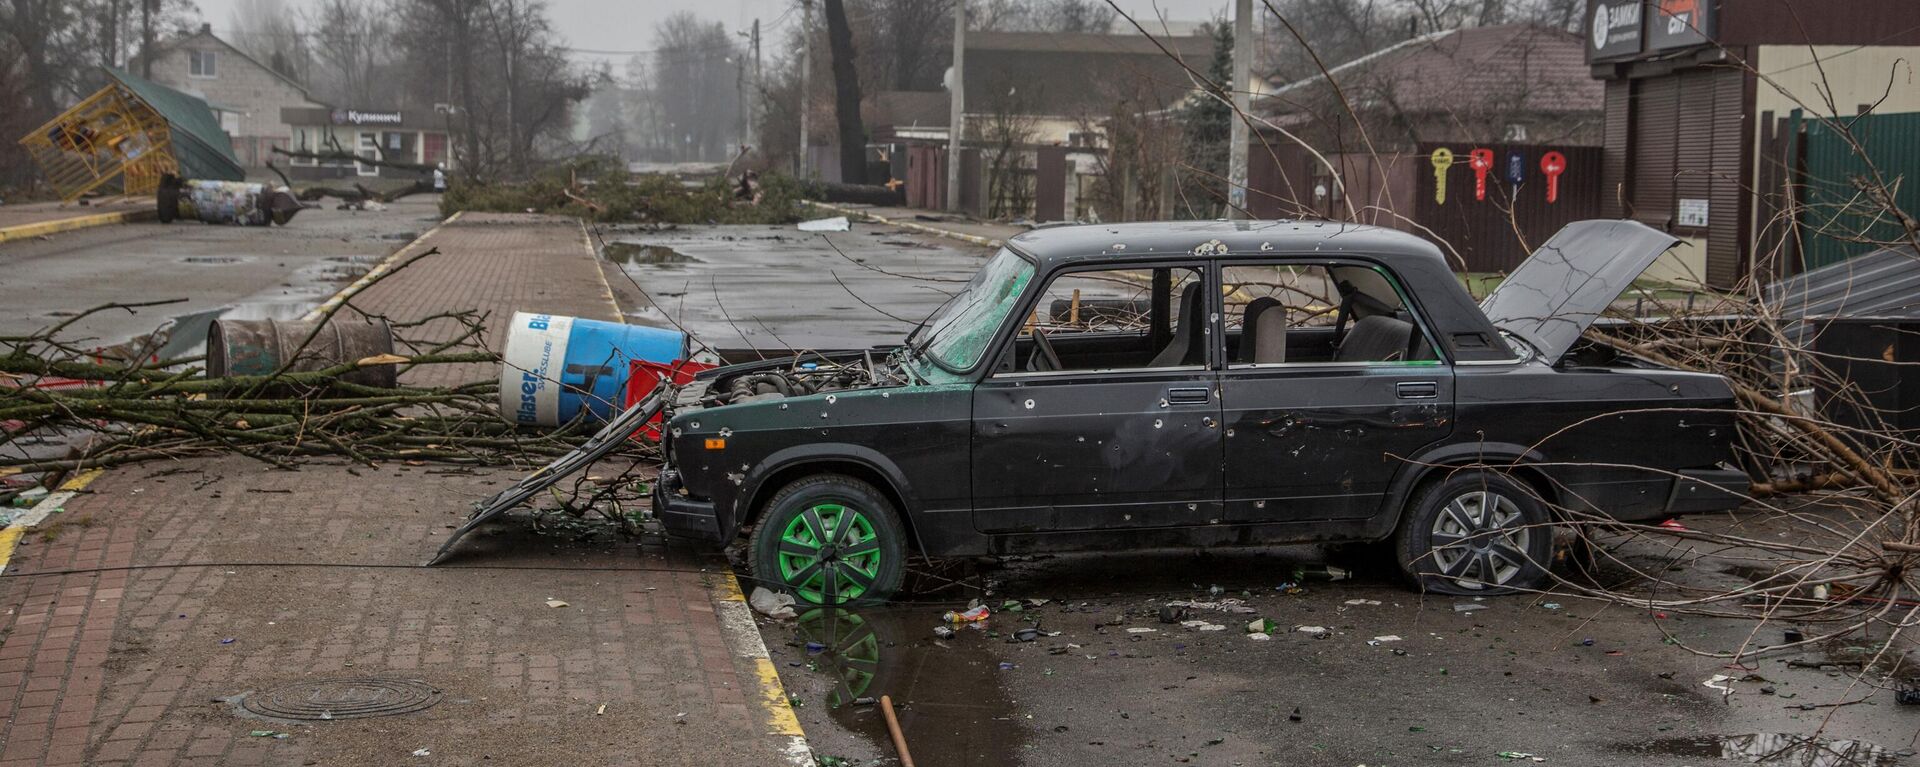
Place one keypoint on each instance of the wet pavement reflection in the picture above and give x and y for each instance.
(951, 705)
(1777, 748)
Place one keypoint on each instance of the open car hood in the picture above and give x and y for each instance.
(1558, 291)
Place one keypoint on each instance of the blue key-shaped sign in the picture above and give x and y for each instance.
(1516, 168)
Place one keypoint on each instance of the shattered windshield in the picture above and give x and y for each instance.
(959, 332)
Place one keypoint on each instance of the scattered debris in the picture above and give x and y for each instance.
(1141, 630)
(1467, 607)
(835, 224)
(1520, 756)
(422, 751)
(973, 614)
(1316, 631)
(556, 603)
(1361, 602)
(1236, 606)
(771, 604)
(1260, 626)
(1384, 638)
(942, 632)
(1719, 682)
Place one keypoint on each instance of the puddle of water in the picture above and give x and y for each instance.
(646, 255)
(1777, 748)
(948, 695)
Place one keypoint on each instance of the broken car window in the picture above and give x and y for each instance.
(959, 332)
(1315, 314)
(1103, 320)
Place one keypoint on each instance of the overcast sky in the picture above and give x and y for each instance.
(627, 25)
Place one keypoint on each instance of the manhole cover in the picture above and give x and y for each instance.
(343, 699)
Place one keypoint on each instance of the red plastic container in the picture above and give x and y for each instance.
(643, 376)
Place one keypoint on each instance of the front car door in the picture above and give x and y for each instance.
(1102, 412)
(1320, 415)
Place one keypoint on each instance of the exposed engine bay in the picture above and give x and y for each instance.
(793, 377)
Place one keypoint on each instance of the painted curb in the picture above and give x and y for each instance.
(10, 537)
(908, 225)
(385, 265)
(44, 228)
(737, 625)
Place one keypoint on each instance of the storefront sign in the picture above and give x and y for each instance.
(1613, 29)
(1679, 23)
(356, 117)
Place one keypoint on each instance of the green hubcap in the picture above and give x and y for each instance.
(829, 554)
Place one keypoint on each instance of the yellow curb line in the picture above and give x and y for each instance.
(43, 228)
(10, 537)
(910, 225)
(736, 622)
(385, 265)
(594, 253)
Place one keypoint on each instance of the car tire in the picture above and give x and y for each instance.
(865, 562)
(1475, 533)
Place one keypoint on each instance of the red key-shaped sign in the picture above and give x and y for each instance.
(1553, 164)
(1482, 161)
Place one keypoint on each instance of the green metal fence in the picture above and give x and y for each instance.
(1839, 217)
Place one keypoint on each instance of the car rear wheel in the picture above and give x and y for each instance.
(1475, 533)
(830, 540)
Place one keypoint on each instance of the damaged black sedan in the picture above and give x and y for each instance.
(1197, 384)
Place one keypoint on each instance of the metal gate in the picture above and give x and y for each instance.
(1839, 215)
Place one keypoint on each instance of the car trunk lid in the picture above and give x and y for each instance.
(1569, 281)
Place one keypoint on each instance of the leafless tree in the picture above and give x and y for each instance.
(352, 40)
(271, 31)
(846, 94)
(694, 89)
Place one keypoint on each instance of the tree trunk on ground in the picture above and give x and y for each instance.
(846, 95)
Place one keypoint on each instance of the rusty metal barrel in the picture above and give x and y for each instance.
(261, 347)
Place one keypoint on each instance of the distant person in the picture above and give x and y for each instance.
(749, 189)
(440, 177)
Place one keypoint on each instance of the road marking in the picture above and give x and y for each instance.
(736, 623)
(383, 267)
(10, 537)
(600, 265)
(43, 228)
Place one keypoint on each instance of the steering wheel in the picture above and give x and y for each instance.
(1043, 357)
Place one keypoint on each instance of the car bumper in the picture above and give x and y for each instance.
(683, 516)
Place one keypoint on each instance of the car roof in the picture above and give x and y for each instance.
(1054, 246)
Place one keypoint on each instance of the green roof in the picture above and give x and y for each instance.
(201, 148)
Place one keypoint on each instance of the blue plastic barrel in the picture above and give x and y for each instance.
(557, 366)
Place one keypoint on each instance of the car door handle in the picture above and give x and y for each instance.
(1186, 396)
(1417, 389)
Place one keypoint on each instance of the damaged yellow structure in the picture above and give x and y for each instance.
(134, 132)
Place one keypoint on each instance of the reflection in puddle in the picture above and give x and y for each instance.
(948, 694)
(1778, 748)
(632, 253)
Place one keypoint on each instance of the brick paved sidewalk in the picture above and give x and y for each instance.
(223, 576)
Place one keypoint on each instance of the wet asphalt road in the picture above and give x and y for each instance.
(773, 287)
(240, 272)
(1512, 676)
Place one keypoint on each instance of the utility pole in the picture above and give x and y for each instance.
(753, 96)
(806, 85)
(957, 111)
(1242, 104)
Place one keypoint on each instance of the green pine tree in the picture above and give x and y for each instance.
(1207, 120)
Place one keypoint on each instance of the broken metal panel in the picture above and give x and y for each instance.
(612, 436)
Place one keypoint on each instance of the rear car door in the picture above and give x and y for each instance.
(1102, 414)
(1319, 431)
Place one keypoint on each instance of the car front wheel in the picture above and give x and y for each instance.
(830, 540)
(1475, 533)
